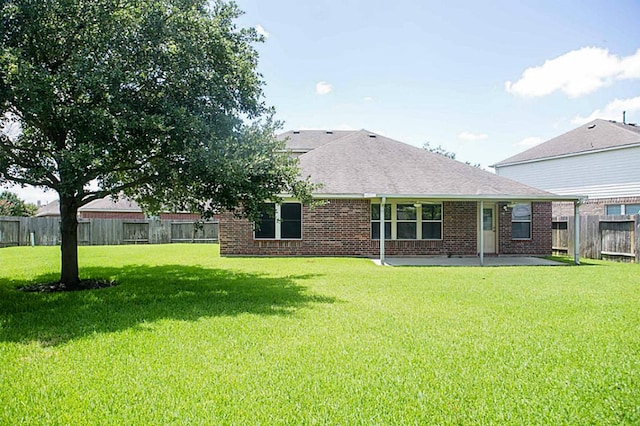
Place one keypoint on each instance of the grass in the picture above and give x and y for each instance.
(188, 337)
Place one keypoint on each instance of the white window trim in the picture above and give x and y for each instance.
(606, 208)
(278, 224)
(377, 221)
(421, 221)
(394, 221)
(624, 208)
(530, 222)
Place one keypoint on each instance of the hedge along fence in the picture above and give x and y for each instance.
(45, 231)
(601, 237)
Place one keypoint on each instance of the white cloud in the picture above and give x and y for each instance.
(468, 136)
(323, 88)
(31, 194)
(260, 30)
(530, 141)
(613, 111)
(576, 73)
(368, 99)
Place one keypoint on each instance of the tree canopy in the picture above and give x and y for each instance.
(159, 100)
(440, 150)
(12, 205)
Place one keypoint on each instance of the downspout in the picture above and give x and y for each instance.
(576, 232)
(481, 233)
(382, 203)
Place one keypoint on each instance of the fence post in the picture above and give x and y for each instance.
(576, 233)
(636, 223)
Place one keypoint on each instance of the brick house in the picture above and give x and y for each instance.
(420, 203)
(108, 208)
(597, 160)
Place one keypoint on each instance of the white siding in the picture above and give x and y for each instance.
(606, 174)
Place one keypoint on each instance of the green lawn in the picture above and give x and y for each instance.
(188, 337)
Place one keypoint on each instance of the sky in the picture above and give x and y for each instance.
(485, 80)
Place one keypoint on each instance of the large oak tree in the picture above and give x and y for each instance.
(159, 100)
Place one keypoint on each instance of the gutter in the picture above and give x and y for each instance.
(572, 154)
(483, 197)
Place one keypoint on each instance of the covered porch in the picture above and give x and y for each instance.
(502, 226)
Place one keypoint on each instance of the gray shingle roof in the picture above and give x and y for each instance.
(361, 162)
(593, 136)
(307, 140)
(107, 204)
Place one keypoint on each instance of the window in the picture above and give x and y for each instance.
(632, 209)
(613, 209)
(521, 222)
(432, 221)
(291, 220)
(280, 221)
(375, 221)
(408, 221)
(266, 226)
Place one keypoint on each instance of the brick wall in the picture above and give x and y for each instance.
(540, 242)
(595, 207)
(336, 228)
(111, 215)
(190, 217)
(343, 228)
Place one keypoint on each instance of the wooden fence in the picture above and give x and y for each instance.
(45, 231)
(601, 237)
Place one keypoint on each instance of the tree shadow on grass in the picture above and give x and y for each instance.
(571, 261)
(144, 294)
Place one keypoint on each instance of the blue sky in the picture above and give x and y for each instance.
(485, 80)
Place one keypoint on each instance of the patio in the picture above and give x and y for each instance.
(469, 261)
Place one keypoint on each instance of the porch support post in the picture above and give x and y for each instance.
(382, 203)
(576, 232)
(481, 233)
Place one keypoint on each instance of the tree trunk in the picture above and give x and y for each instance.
(69, 248)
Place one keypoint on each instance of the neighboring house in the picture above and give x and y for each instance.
(108, 208)
(599, 160)
(432, 205)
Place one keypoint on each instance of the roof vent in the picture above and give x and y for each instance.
(296, 132)
(591, 127)
(371, 135)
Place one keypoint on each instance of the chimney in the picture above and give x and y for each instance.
(624, 117)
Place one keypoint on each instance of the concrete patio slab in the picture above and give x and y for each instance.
(469, 261)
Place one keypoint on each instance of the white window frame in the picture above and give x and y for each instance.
(421, 221)
(418, 221)
(606, 209)
(415, 222)
(626, 208)
(529, 221)
(373, 221)
(278, 223)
